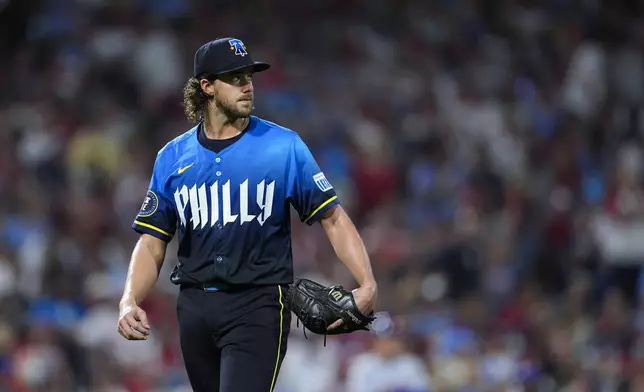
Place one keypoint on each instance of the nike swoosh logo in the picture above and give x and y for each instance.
(181, 170)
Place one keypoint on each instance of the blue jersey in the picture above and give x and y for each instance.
(230, 209)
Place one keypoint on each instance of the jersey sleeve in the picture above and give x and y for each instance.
(309, 191)
(157, 215)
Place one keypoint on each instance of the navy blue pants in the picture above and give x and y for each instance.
(233, 341)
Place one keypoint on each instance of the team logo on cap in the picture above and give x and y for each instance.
(238, 47)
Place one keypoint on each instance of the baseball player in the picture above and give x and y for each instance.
(225, 188)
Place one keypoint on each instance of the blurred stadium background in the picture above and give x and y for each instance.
(491, 153)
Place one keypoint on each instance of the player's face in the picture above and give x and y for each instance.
(233, 93)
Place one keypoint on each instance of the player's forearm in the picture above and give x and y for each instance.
(348, 245)
(143, 272)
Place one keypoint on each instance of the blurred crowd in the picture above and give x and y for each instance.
(490, 153)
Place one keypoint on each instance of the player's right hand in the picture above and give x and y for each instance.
(133, 322)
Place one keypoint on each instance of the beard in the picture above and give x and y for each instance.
(234, 109)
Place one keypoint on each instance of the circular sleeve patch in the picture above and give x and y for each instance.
(150, 205)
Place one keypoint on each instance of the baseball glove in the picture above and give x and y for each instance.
(318, 306)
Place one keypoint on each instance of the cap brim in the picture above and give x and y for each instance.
(256, 66)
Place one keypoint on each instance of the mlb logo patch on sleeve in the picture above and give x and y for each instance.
(322, 182)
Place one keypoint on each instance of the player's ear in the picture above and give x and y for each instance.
(207, 87)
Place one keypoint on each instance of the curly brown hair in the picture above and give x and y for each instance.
(195, 101)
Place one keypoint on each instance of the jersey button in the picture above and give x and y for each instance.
(218, 160)
(218, 173)
(219, 226)
(220, 259)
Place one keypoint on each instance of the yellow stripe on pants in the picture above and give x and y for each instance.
(279, 343)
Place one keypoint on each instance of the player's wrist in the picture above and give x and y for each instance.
(126, 302)
(370, 286)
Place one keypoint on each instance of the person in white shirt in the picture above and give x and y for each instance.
(388, 367)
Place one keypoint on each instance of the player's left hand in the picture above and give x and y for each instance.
(365, 298)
